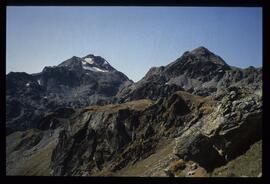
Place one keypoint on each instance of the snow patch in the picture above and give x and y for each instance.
(27, 84)
(39, 81)
(94, 69)
(99, 70)
(88, 60)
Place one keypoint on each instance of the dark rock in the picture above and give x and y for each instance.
(149, 131)
(200, 72)
(73, 83)
(96, 136)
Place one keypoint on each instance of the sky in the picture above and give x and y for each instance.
(131, 39)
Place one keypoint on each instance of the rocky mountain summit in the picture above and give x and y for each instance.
(76, 82)
(197, 116)
(199, 72)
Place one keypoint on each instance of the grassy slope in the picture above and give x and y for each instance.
(248, 164)
(152, 165)
(135, 105)
(28, 161)
(38, 164)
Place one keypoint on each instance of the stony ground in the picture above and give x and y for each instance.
(246, 165)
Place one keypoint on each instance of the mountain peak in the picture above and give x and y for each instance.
(89, 62)
(96, 63)
(89, 56)
(205, 55)
(201, 51)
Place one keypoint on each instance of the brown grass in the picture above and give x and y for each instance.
(207, 105)
(207, 109)
(200, 172)
(248, 164)
(177, 165)
(135, 105)
(36, 164)
(146, 165)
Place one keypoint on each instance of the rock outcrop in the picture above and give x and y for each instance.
(226, 133)
(95, 136)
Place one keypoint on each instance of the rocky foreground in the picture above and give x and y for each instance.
(196, 117)
(204, 133)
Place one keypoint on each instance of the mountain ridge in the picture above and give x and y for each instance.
(207, 112)
(200, 72)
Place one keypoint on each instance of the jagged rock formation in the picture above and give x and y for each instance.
(98, 132)
(76, 82)
(199, 72)
(205, 134)
(226, 133)
(204, 112)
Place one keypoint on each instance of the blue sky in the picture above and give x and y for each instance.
(132, 39)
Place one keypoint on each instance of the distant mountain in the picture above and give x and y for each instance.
(199, 72)
(88, 63)
(76, 82)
